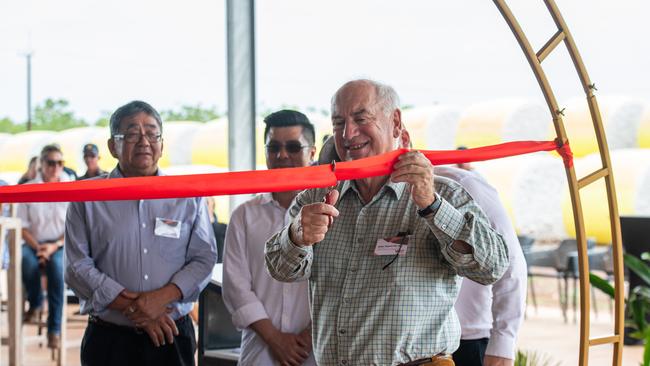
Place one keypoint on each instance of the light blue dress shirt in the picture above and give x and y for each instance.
(111, 246)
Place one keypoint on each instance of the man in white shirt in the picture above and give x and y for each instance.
(490, 316)
(274, 315)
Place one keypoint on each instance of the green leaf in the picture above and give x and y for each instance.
(646, 350)
(601, 284)
(638, 307)
(638, 266)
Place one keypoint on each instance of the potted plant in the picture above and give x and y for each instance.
(638, 304)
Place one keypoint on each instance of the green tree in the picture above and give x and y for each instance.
(54, 115)
(8, 126)
(104, 119)
(191, 113)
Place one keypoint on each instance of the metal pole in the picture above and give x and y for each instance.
(29, 91)
(240, 24)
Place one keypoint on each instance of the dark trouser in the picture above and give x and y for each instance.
(471, 352)
(32, 280)
(112, 345)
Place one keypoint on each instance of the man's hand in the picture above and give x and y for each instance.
(416, 170)
(123, 300)
(289, 349)
(497, 361)
(311, 224)
(161, 331)
(305, 338)
(151, 305)
(46, 250)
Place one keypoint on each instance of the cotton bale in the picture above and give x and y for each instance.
(19, 148)
(632, 180)
(503, 120)
(432, 127)
(621, 118)
(531, 188)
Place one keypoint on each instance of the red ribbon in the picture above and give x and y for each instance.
(256, 181)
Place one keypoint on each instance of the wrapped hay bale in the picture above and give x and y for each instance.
(177, 135)
(19, 148)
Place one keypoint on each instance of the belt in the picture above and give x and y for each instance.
(103, 323)
(438, 360)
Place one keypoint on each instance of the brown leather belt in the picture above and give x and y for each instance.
(438, 360)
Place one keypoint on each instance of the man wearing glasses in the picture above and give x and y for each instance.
(273, 315)
(137, 266)
(384, 257)
(43, 228)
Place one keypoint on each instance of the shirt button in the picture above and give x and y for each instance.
(342, 331)
(353, 270)
(444, 226)
(146, 277)
(344, 362)
(144, 225)
(346, 300)
(145, 250)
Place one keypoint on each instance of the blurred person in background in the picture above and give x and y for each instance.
(43, 231)
(32, 170)
(91, 159)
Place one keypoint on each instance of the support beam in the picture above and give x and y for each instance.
(240, 23)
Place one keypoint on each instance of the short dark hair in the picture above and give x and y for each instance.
(131, 109)
(288, 118)
(48, 149)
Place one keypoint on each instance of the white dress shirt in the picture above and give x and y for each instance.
(249, 292)
(494, 311)
(44, 220)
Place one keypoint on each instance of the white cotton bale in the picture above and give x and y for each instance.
(176, 135)
(210, 144)
(432, 127)
(632, 181)
(19, 148)
(643, 134)
(73, 140)
(531, 188)
(621, 118)
(503, 120)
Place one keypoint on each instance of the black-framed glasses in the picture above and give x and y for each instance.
(404, 236)
(290, 147)
(136, 137)
(53, 163)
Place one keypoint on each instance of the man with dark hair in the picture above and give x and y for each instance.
(137, 266)
(384, 257)
(274, 316)
(91, 158)
(43, 230)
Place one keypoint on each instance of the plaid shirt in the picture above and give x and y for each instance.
(363, 315)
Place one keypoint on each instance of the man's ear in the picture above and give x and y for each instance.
(112, 148)
(397, 123)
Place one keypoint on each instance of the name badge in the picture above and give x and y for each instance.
(167, 228)
(391, 246)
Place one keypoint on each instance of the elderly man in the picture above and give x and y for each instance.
(384, 259)
(274, 315)
(43, 228)
(137, 266)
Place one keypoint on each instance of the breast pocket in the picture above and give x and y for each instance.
(173, 248)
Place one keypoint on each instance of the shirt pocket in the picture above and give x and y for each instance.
(174, 250)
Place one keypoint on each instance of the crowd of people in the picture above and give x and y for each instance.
(421, 267)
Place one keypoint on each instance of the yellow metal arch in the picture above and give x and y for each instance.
(575, 185)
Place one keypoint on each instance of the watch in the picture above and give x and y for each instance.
(433, 207)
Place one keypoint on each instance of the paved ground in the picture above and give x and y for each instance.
(543, 331)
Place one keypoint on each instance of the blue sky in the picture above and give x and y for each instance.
(101, 54)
